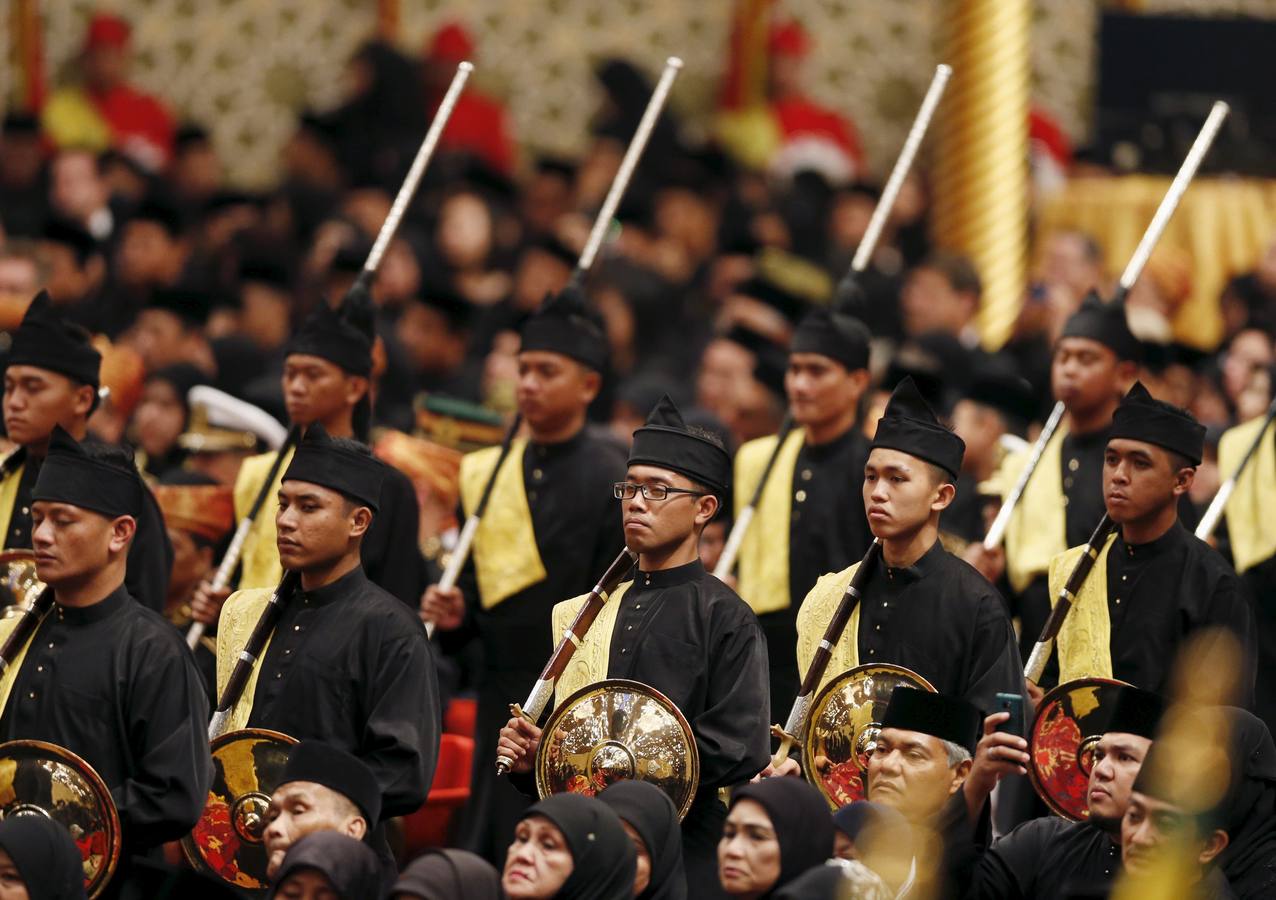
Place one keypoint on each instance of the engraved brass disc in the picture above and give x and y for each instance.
(1069, 723)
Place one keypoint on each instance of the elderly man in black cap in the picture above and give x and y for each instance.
(1095, 361)
(51, 380)
(923, 608)
(676, 628)
(102, 676)
(326, 378)
(348, 664)
(549, 530)
(321, 789)
(809, 519)
(1154, 583)
(1051, 857)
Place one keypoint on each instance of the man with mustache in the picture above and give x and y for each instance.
(549, 530)
(675, 628)
(1154, 583)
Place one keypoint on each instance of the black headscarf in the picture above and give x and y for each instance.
(351, 866)
(603, 858)
(1249, 814)
(449, 875)
(651, 813)
(46, 857)
(801, 821)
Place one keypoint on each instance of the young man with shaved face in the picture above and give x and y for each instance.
(1154, 583)
(674, 628)
(921, 607)
(347, 664)
(51, 380)
(549, 531)
(809, 519)
(1052, 857)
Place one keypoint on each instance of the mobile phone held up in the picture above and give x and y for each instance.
(1013, 704)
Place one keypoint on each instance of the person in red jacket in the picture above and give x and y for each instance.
(480, 124)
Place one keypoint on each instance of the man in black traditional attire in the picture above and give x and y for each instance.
(348, 664)
(51, 380)
(104, 677)
(1153, 583)
(326, 378)
(1052, 857)
(675, 628)
(550, 529)
(810, 517)
(922, 608)
(1095, 360)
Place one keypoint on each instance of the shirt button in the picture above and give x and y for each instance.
(1065, 501)
(629, 628)
(1074, 464)
(877, 627)
(26, 510)
(800, 496)
(537, 474)
(279, 675)
(623, 650)
(39, 668)
(872, 653)
(1067, 483)
(31, 696)
(637, 606)
(1118, 601)
(296, 628)
(885, 604)
(50, 645)
(287, 652)
(806, 474)
(1124, 577)
(647, 579)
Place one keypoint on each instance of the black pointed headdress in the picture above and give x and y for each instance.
(910, 426)
(1141, 417)
(564, 325)
(666, 442)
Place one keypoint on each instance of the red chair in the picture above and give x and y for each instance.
(459, 716)
(431, 825)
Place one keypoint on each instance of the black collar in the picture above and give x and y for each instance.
(561, 448)
(1164, 544)
(345, 586)
(87, 615)
(847, 439)
(663, 578)
(928, 564)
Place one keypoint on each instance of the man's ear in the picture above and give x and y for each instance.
(356, 827)
(706, 509)
(360, 521)
(1215, 843)
(85, 397)
(945, 493)
(960, 773)
(357, 387)
(590, 383)
(122, 530)
(1183, 480)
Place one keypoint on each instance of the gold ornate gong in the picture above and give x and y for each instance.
(618, 730)
(42, 779)
(1070, 720)
(227, 841)
(19, 583)
(843, 725)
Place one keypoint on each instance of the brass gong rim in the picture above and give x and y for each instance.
(611, 687)
(9, 561)
(858, 675)
(43, 750)
(235, 805)
(1046, 770)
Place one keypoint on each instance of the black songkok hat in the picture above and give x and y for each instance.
(45, 341)
(341, 337)
(70, 234)
(909, 425)
(834, 334)
(321, 460)
(1105, 323)
(190, 305)
(69, 475)
(996, 384)
(665, 442)
(324, 764)
(1135, 711)
(1141, 417)
(947, 718)
(563, 325)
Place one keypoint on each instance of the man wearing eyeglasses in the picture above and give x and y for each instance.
(549, 531)
(675, 628)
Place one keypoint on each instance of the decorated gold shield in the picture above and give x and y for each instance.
(19, 583)
(227, 842)
(1070, 721)
(842, 729)
(42, 779)
(618, 730)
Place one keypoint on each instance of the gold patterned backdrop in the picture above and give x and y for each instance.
(244, 67)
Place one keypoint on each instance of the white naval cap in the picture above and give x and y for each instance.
(216, 416)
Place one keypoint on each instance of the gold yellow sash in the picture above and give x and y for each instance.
(1037, 530)
(1251, 525)
(238, 618)
(813, 617)
(590, 661)
(260, 559)
(1084, 643)
(506, 558)
(11, 673)
(764, 552)
(9, 496)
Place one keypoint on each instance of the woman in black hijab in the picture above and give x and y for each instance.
(1249, 812)
(448, 875)
(43, 856)
(651, 821)
(331, 860)
(776, 829)
(569, 847)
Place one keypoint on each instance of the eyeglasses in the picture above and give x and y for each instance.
(625, 490)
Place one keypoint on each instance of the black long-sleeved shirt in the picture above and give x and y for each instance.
(1047, 858)
(349, 665)
(115, 684)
